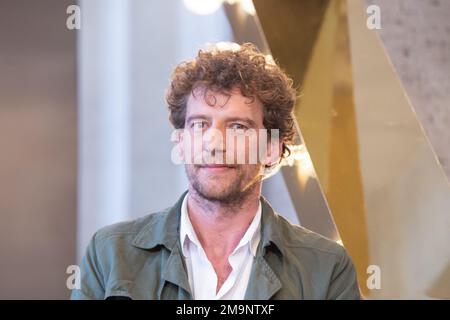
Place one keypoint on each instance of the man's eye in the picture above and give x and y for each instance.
(238, 126)
(198, 125)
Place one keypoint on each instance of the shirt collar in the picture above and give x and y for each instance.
(251, 237)
(187, 232)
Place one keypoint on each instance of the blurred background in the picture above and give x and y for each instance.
(85, 137)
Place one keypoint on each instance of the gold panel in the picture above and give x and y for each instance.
(326, 116)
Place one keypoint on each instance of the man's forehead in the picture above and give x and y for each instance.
(204, 98)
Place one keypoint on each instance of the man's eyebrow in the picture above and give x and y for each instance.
(195, 117)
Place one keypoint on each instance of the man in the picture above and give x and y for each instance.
(221, 240)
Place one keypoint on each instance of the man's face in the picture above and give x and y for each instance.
(220, 176)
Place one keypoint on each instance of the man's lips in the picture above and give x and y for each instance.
(216, 167)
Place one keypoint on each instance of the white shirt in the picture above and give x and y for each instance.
(201, 274)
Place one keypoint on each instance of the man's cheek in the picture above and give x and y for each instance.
(192, 147)
(239, 151)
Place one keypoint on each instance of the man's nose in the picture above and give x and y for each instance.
(213, 139)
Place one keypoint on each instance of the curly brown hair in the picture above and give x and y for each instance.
(245, 68)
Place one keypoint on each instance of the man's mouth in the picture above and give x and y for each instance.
(217, 167)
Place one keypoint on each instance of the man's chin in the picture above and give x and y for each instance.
(216, 186)
(217, 194)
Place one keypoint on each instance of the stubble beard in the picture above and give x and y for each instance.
(231, 193)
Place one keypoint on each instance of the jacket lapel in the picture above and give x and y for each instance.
(164, 230)
(175, 273)
(264, 283)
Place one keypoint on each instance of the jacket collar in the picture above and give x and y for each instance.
(163, 228)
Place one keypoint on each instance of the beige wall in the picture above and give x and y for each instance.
(37, 149)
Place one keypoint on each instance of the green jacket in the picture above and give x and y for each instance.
(142, 259)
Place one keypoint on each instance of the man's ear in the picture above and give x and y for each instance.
(273, 154)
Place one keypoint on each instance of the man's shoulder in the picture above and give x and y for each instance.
(129, 229)
(323, 261)
(298, 238)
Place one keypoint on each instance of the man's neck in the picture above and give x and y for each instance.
(218, 226)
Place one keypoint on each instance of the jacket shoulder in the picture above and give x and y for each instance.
(130, 228)
(324, 262)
